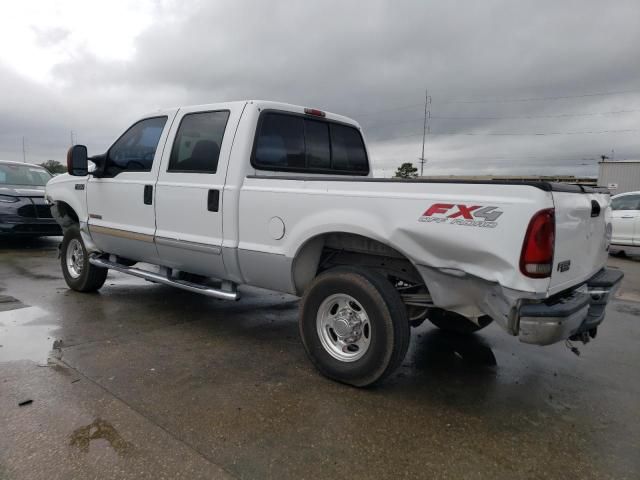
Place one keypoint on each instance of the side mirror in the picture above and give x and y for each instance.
(77, 163)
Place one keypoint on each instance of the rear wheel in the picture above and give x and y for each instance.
(456, 323)
(79, 274)
(354, 326)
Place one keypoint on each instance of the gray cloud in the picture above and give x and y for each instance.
(48, 37)
(367, 60)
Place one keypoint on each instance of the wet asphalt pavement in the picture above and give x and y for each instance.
(145, 381)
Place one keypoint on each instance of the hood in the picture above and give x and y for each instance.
(22, 190)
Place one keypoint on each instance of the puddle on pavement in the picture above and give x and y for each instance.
(24, 336)
(93, 436)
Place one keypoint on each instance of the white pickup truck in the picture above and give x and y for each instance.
(283, 197)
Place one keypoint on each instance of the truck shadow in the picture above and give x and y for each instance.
(440, 351)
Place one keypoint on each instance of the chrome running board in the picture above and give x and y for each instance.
(231, 294)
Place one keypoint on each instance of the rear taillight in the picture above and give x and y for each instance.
(536, 260)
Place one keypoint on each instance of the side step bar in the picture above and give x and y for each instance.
(158, 278)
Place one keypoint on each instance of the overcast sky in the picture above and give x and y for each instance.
(494, 70)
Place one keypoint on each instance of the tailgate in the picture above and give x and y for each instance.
(581, 237)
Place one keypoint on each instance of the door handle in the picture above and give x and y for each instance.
(627, 216)
(148, 194)
(213, 200)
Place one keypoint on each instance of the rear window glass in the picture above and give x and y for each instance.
(281, 142)
(318, 149)
(348, 149)
(297, 143)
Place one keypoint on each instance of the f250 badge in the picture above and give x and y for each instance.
(460, 214)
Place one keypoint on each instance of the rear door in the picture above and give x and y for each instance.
(120, 202)
(625, 219)
(190, 189)
(581, 238)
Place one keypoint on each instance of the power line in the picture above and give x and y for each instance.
(537, 99)
(501, 100)
(537, 134)
(508, 117)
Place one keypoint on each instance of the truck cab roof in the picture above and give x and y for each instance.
(266, 105)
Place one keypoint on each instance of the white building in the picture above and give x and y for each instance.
(620, 176)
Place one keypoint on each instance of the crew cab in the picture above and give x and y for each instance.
(283, 197)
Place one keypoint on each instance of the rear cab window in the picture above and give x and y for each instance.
(291, 142)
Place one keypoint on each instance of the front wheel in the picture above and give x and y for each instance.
(354, 326)
(79, 274)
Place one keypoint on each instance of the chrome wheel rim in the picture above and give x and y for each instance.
(343, 327)
(75, 258)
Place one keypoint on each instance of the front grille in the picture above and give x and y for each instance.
(27, 211)
(43, 211)
(36, 208)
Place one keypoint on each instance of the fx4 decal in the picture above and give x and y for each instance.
(460, 214)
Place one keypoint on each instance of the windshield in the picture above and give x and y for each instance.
(11, 174)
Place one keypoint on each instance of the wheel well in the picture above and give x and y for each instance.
(64, 214)
(334, 249)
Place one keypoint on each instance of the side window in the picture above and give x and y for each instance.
(627, 202)
(281, 141)
(135, 149)
(294, 142)
(348, 149)
(196, 147)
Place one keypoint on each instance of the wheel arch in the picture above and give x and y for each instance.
(64, 214)
(341, 247)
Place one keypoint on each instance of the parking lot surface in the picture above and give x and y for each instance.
(145, 381)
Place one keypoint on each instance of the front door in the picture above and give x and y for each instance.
(121, 199)
(190, 190)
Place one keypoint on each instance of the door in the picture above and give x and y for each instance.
(625, 219)
(120, 199)
(190, 190)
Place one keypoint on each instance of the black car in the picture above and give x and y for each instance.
(23, 211)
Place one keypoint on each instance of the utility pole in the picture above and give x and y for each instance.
(72, 140)
(426, 128)
(24, 153)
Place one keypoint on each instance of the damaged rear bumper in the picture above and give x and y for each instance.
(579, 312)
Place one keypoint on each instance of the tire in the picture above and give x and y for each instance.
(456, 323)
(368, 299)
(79, 274)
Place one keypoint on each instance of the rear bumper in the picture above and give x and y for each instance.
(580, 311)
